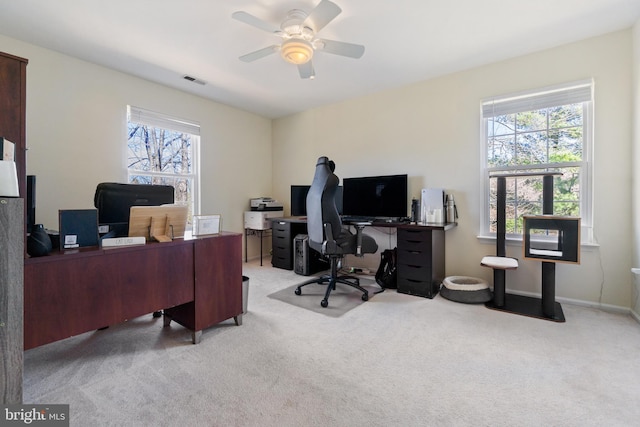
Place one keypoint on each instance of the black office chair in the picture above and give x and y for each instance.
(326, 234)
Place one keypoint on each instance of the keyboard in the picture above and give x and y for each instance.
(352, 218)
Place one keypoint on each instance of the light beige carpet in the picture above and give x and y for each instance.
(396, 360)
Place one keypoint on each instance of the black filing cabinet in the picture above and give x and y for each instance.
(284, 231)
(420, 261)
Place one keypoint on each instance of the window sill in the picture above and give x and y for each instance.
(515, 241)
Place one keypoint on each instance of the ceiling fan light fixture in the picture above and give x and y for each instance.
(296, 51)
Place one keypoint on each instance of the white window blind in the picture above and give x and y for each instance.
(151, 118)
(580, 92)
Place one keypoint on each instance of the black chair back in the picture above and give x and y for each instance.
(321, 204)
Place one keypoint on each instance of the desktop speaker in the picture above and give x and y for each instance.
(306, 261)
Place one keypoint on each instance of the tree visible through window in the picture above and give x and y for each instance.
(545, 131)
(162, 151)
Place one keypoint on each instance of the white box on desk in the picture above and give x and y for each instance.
(432, 201)
(260, 220)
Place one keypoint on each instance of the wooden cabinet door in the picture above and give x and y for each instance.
(218, 279)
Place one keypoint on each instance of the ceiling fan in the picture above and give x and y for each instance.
(299, 42)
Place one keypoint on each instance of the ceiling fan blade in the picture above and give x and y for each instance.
(247, 18)
(306, 70)
(323, 13)
(261, 53)
(341, 48)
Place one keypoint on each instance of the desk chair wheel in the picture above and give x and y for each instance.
(365, 296)
(324, 303)
(298, 291)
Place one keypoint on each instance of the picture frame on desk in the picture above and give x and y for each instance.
(161, 223)
(204, 225)
(78, 228)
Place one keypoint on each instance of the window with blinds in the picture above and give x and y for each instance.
(162, 150)
(545, 130)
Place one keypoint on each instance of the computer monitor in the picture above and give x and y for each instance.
(114, 201)
(30, 203)
(299, 200)
(376, 196)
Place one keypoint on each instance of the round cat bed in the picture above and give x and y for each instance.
(465, 289)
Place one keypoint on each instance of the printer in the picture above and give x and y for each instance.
(266, 204)
(262, 210)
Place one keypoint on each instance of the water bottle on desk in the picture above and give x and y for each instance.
(452, 210)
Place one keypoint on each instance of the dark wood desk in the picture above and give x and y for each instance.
(421, 252)
(198, 282)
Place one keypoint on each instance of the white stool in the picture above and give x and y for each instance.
(499, 264)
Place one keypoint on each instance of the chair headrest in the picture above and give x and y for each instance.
(323, 160)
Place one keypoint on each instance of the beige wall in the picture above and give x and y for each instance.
(430, 130)
(76, 136)
(635, 293)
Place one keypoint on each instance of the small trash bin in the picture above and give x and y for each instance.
(245, 293)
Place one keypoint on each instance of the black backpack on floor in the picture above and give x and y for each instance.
(386, 276)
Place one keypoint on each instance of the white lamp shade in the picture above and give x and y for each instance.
(8, 179)
(296, 51)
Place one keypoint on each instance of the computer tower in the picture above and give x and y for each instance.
(306, 261)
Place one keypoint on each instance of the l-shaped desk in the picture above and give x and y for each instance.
(420, 257)
(197, 282)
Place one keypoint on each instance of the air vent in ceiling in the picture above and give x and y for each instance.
(194, 80)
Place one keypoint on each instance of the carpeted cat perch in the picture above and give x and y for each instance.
(469, 290)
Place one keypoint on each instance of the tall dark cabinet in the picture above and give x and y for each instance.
(420, 260)
(13, 72)
(13, 96)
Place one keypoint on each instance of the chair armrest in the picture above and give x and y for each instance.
(359, 227)
(330, 245)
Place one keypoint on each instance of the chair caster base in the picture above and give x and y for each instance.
(324, 303)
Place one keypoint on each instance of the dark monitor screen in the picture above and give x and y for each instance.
(30, 203)
(376, 196)
(299, 200)
(114, 200)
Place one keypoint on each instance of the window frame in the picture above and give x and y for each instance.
(164, 121)
(554, 97)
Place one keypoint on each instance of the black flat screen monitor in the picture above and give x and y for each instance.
(30, 203)
(114, 201)
(376, 196)
(299, 200)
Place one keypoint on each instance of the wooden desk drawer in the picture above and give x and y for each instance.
(413, 272)
(281, 228)
(419, 288)
(282, 261)
(414, 240)
(406, 257)
(280, 241)
(281, 251)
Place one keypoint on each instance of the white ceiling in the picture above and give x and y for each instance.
(406, 41)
